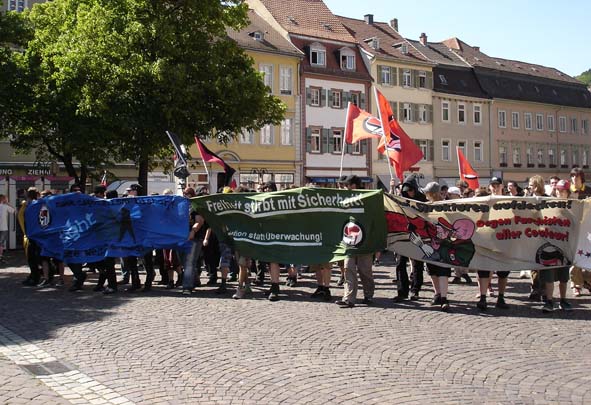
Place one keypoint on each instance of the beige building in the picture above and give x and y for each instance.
(405, 77)
(540, 117)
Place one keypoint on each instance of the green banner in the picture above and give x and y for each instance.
(298, 226)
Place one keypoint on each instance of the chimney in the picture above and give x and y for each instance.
(394, 24)
(423, 39)
(368, 19)
(476, 48)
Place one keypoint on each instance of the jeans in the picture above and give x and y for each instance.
(190, 260)
(402, 277)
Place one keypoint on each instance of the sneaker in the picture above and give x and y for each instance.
(222, 289)
(327, 295)
(274, 293)
(376, 263)
(367, 301)
(240, 293)
(248, 289)
(467, 278)
(233, 278)
(289, 282)
(212, 281)
(444, 305)
(437, 300)
(341, 281)
(44, 283)
(576, 292)
(482, 305)
(60, 282)
(187, 291)
(501, 304)
(319, 292)
(109, 290)
(565, 305)
(456, 280)
(399, 298)
(344, 304)
(548, 307)
(414, 297)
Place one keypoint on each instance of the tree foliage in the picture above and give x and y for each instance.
(111, 76)
(585, 77)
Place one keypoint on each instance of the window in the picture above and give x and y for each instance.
(575, 157)
(462, 147)
(423, 114)
(477, 151)
(477, 114)
(585, 157)
(354, 97)
(315, 96)
(267, 135)
(443, 80)
(503, 155)
(268, 75)
(357, 148)
(423, 145)
(539, 122)
(551, 123)
(336, 98)
(516, 155)
(385, 75)
(406, 112)
(285, 80)
(540, 156)
(562, 124)
(445, 111)
(551, 157)
(585, 126)
(461, 113)
(422, 79)
(315, 140)
(515, 120)
(337, 140)
(529, 156)
(502, 119)
(286, 132)
(406, 78)
(574, 127)
(247, 136)
(445, 155)
(347, 59)
(528, 121)
(317, 56)
(563, 157)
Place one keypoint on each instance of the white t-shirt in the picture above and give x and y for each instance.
(4, 211)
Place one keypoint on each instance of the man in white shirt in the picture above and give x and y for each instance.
(5, 210)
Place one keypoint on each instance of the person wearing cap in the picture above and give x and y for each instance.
(454, 193)
(357, 266)
(411, 190)
(495, 186)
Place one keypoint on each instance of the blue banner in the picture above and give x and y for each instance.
(78, 228)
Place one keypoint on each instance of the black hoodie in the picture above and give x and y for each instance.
(412, 181)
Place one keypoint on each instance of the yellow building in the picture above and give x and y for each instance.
(274, 152)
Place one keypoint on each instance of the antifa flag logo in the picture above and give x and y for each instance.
(352, 234)
(374, 126)
(44, 217)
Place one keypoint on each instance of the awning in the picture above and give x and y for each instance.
(364, 179)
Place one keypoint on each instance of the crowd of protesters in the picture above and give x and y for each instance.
(224, 265)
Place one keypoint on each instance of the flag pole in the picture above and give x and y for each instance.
(375, 92)
(344, 139)
(205, 166)
(459, 165)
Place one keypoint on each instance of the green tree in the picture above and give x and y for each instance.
(585, 77)
(126, 71)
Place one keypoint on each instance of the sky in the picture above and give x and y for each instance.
(549, 33)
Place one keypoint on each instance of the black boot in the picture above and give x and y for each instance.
(274, 292)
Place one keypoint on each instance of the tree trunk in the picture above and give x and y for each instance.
(69, 166)
(83, 177)
(142, 177)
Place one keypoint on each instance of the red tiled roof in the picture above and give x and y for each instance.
(389, 40)
(272, 40)
(476, 58)
(308, 17)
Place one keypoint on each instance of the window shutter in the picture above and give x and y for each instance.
(393, 107)
(431, 151)
(396, 110)
(364, 147)
(393, 76)
(324, 140)
(344, 99)
(330, 139)
(329, 94)
(349, 148)
(308, 139)
(430, 80)
(400, 79)
(429, 113)
(413, 77)
(362, 101)
(322, 97)
(380, 67)
(308, 96)
(414, 111)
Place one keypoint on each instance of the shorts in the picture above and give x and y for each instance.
(560, 274)
(487, 274)
(3, 239)
(225, 255)
(438, 271)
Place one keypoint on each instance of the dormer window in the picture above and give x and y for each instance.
(443, 80)
(317, 55)
(347, 59)
(258, 35)
(499, 63)
(404, 49)
(373, 42)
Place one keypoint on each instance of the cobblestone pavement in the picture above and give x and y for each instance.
(163, 347)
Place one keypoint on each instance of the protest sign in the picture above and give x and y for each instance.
(486, 233)
(298, 226)
(78, 228)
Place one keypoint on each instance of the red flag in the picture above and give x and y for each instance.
(467, 174)
(209, 156)
(361, 125)
(402, 152)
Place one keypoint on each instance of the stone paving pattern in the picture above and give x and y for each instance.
(166, 348)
